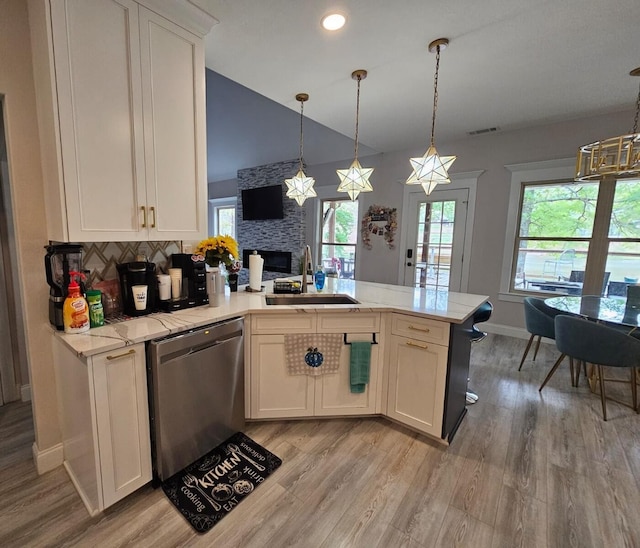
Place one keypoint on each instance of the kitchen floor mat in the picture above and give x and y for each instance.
(207, 490)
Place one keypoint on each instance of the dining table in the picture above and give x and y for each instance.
(614, 310)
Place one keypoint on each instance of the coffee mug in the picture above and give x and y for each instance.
(139, 296)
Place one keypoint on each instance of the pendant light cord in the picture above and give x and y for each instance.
(301, 134)
(355, 151)
(635, 120)
(435, 95)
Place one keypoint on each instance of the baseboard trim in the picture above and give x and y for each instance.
(509, 331)
(49, 459)
(83, 496)
(25, 392)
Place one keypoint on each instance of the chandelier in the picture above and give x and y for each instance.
(431, 169)
(616, 157)
(355, 180)
(300, 187)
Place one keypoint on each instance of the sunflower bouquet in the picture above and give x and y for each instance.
(219, 249)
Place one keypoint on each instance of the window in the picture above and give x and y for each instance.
(339, 233)
(222, 216)
(577, 237)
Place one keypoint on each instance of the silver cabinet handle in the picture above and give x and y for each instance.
(411, 343)
(423, 329)
(131, 351)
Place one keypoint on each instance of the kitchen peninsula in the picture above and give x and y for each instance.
(418, 373)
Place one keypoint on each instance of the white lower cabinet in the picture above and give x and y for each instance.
(274, 393)
(333, 394)
(105, 422)
(417, 373)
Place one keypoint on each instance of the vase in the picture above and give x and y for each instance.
(233, 282)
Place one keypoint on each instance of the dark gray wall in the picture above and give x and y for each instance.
(245, 129)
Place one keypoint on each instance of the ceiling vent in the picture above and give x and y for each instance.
(483, 131)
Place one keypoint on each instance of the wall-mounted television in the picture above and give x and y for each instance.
(262, 203)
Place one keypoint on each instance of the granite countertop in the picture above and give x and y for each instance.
(439, 305)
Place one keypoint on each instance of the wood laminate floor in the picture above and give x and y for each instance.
(525, 469)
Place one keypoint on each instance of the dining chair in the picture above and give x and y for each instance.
(557, 266)
(602, 346)
(538, 319)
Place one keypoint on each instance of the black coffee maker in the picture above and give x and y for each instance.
(194, 274)
(133, 274)
(58, 262)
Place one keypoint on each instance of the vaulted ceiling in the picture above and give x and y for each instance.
(510, 63)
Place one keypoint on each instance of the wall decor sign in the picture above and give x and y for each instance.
(379, 222)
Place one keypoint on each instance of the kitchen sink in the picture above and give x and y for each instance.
(310, 298)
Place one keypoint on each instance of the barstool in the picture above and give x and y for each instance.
(482, 314)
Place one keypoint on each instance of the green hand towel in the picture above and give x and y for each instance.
(359, 364)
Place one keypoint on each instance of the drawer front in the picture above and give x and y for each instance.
(421, 329)
(276, 324)
(349, 322)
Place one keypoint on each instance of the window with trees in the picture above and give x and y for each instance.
(339, 236)
(222, 216)
(577, 237)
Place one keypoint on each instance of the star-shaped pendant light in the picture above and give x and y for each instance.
(432, 169)
(355, 180)
(300, 187)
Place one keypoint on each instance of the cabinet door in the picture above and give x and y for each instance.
(333, 391)
(122, 417)
(417, 378)
(98, 83)
(275, 393)
(173, 82)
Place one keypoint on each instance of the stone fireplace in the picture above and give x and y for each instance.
(274, 261)
(280, 242)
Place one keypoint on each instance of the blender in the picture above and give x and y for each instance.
(58, 262)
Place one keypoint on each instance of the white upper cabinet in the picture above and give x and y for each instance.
(122, 122)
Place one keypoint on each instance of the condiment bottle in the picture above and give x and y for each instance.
(75, 311)
(96, 312)
(319, 277)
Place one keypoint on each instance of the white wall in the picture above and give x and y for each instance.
(16, 84)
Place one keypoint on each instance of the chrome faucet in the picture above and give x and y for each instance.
(307, 266)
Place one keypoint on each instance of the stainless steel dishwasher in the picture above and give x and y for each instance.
(196, 393)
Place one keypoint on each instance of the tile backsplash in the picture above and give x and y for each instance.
(100, 258)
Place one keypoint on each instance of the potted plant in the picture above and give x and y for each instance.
(219, 250)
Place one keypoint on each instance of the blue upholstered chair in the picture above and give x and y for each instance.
(538, 319)
(600, 345)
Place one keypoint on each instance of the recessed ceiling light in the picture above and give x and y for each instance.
(333, 21)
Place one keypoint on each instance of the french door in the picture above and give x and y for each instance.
(436, 232)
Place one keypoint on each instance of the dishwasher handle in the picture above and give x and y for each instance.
(203, 346)
(184, 344)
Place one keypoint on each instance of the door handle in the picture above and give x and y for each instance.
(144, 216)
(411, 343)
(153, 211)
(131, 351)
(423, 329)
